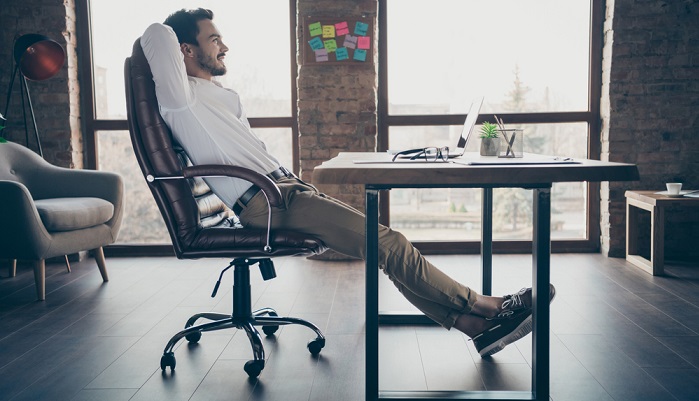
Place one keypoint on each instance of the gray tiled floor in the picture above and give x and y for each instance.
(617, 333)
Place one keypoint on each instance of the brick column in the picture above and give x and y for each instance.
(56, 100)
(336, 103)
(649, 106)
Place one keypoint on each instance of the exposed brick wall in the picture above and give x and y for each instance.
(56, 100)
(336, 103)
(651, 109)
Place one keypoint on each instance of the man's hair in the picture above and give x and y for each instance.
(184, 23)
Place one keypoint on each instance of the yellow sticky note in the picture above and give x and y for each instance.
(328, 31)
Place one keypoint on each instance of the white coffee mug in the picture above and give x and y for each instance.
(673, 188)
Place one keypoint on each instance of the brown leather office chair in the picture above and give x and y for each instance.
(200, 225)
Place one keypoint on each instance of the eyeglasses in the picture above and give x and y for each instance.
(431, 154)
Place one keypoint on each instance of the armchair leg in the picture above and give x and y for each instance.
(67, 263)
(13, 267)
(101, 264)
(40, 278)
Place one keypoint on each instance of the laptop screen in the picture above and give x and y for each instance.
(469, 124)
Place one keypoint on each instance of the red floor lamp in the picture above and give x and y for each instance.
(37, 58)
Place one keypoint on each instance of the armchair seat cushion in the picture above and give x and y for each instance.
(67, 214)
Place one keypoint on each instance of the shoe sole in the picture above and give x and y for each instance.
(520, 331)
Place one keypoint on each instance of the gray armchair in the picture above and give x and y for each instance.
(48, 211)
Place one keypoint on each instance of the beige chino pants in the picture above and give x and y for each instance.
(342, 228)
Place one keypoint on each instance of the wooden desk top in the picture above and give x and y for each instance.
(654, 198)
(343, 170)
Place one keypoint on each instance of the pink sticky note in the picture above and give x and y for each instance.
(363, 42)
(341, 28)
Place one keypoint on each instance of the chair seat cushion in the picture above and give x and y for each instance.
(67, 214)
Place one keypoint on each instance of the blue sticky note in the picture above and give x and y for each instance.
(341, 54)
(316, 43)
(360, 55)
(360, 28)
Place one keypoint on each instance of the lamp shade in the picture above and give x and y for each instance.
(38, 57)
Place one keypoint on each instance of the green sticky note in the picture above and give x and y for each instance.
(360, 55)
(316, 29)
(330, 45)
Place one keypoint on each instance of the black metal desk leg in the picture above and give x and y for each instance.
(541, 277)
(487, 242)
(372, 296)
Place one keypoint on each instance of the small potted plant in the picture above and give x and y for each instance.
(490, 141)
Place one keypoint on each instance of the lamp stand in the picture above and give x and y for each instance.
(24, 89)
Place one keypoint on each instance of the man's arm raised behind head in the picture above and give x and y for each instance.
(166, 61)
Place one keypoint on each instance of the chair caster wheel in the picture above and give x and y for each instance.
(193, 337)
(314, 346)
(253, 368)
(166, 360)
(269, 330)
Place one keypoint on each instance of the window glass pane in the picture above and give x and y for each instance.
(279, 143)
(142, 222)
(455, 214)
(522, 55)
(258, 60)
(450, 214)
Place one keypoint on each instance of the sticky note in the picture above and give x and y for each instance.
(363, 42)
(341, 28)
(321, 55)
(316, 43)
(328, 31)
(330, 45)
(341, 54)
(350, 42)
(360, 55)
(315, 29)
(360, 28)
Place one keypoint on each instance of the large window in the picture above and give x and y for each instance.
(261, 68)
(537, 64)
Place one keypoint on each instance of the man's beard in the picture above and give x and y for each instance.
(210, 64)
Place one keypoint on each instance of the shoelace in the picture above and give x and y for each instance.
(511, 305)
(514, 301)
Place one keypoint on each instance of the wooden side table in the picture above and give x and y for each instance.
(654, 203)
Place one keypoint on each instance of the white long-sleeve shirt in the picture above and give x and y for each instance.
(207, 120)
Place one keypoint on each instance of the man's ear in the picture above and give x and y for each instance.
(187, 50)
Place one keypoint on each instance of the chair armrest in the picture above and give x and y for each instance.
(22, 234)
(263, 182)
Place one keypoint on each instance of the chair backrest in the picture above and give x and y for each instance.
(199, 223)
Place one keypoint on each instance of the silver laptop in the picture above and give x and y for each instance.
(466, 132)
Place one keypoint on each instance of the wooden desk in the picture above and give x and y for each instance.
(385, 175)
(655, 204)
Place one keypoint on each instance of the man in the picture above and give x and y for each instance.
(185, 54)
